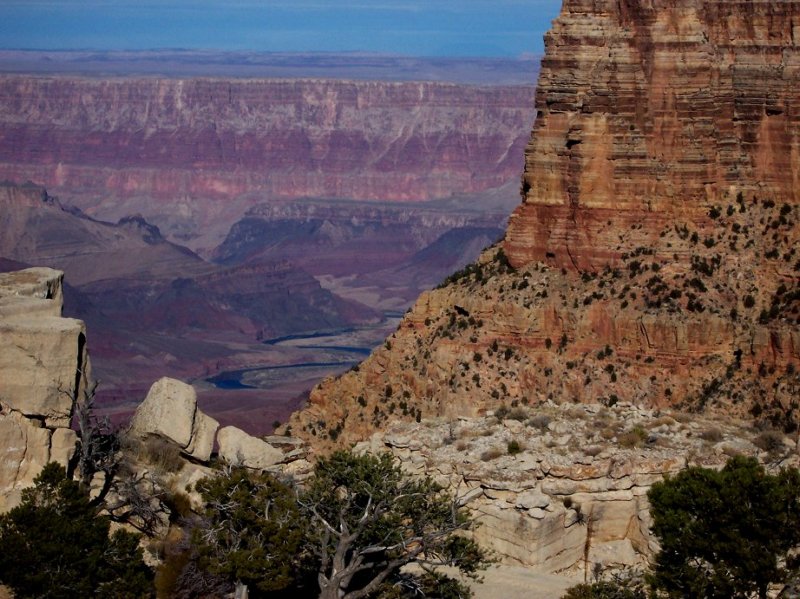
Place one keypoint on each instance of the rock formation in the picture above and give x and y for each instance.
(156, 308)
(44, 368)
(654, 257)
(170, 411)
(650, 113)
(238, 448)
(564, 488)
(193, 154)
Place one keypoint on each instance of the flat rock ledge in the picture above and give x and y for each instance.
(561, 488)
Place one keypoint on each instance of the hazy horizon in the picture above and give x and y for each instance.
(501, 28)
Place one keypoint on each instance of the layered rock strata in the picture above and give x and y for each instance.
(648, 112)
(654, 258)
(180, 151)
(564, 488)
(44, 367)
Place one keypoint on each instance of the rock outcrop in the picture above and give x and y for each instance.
(564, 488)
(240, 449)
(652, 112)
(44, 368)
(654, 258)
(170, 411)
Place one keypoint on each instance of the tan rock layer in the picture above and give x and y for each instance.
(44, 367)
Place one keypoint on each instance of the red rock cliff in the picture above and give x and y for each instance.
(649, 111)
(654, 258)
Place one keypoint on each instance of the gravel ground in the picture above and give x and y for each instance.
(509, 582)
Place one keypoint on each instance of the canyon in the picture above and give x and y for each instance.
(653, 259)
(641, 313)
(192, 155)
(649, 278)
(198, 220)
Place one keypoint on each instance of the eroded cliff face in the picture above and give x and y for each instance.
(654, 257)
(181, 151)
(652, 112)
(44, 366)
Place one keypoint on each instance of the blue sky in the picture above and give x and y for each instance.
(414, 27)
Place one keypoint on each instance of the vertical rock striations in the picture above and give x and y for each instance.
(654, 258)
(44, 366)
(649, 112)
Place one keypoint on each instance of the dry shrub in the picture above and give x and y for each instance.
(540, 421)
(663, 420)
(162, 454)
(712, 435)
(770, 441)
(519, 414)
(593, 450)
(731, 452)
(608, 433)
(491, 454)
(462, 445)
(179, 504)
(576, 413)
(682, 417)
(632, 438)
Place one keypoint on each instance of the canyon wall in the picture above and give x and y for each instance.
(654, 257)
(183, 149)
(44, 367)
(648, 112)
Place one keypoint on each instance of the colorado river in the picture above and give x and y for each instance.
(323, 354)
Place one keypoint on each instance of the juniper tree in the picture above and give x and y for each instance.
(54, 544)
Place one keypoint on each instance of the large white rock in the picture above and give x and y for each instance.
(44, 367)
(24, 451)
(238, 448)
(203, 433)
(43, 359)
(170, 411)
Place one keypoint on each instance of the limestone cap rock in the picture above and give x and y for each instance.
(240, 449)
(170, 411)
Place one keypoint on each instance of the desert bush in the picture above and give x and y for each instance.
(632, 438)
(491, 454)
(713, 435)
(162, 454)
(771, 441)
(540, 421)
(722, 533)
(514, 447)
(54, 544)
(519, 414)
(661, 421)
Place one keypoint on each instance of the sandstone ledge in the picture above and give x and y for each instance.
(44, 367)
(579, 480)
